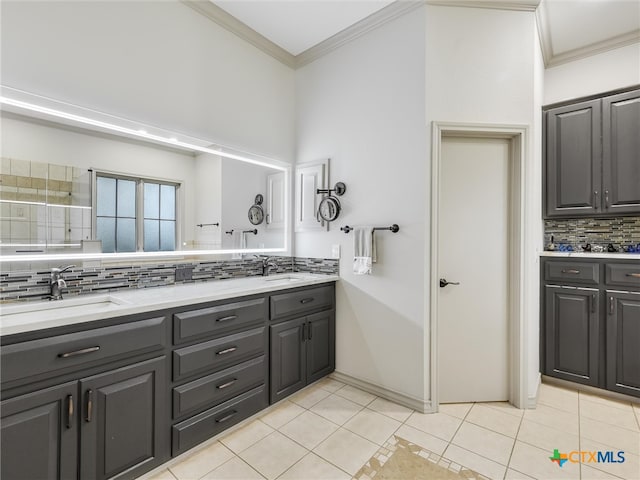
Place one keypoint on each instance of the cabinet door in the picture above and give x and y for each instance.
(288, 360)
(621, 152)
(123, 421)
(275, 201)
(573, 160)
(320, 345)
(40, 434)
(623, 338)
(572, 334)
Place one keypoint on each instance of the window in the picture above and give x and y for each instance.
(134, 214)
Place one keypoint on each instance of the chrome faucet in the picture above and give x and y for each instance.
(266, 263)
(57, 283)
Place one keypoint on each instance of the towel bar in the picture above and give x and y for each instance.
(207, 224)
(394, 228)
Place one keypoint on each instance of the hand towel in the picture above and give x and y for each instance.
(364, 250)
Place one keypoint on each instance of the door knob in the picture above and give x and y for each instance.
(444, 283)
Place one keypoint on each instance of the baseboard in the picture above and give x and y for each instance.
(532, 401)
(591, 390)
(391, 395)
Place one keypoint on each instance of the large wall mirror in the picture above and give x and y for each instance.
(73, 185)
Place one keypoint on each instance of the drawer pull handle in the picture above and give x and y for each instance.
(226, 319)
(227, 384)
(634, 275)
(306, 300)
(227, 417)
(78, 352)
(227, 350)
(89, 405)
(69, 410)
(572, 272)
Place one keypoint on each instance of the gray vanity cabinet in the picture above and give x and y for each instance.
(40, 434)
(121, 414)
(572, 326)
(573, 160)
(302, 348)
(621, 152)
(623, 333)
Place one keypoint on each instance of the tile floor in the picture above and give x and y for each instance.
(330, 430)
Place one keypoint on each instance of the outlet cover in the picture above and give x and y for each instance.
(183, 274)
(335, 251)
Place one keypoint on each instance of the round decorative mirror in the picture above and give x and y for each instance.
(329, 209)
(256, 215)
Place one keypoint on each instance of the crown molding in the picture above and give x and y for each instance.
(521, 5)
(232, 24)
(373, 21)
(593, 49)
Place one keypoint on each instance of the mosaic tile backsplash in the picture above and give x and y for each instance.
(34, 285)
(620, 231)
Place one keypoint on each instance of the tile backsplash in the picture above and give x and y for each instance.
(619, 231)
(34, 285)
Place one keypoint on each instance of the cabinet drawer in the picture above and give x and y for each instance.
(218, 387)
(213, 421)
(624, 274)
(218, 319)
(63, 353)
(218, 353)
(579, 272)
(301, 301)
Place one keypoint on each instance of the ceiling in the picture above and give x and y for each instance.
(569, 29)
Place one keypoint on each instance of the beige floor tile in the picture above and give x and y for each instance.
(535, 462)
(246, 436)
(372, 425)
(273, 455)
(617, 437)
(329, 384)
(424, 440)
(505, 407)
(486, 443)
(308, 397)
(337, 409)
(356, 395)
(590, 473)
(604, 401)
(312, 467)
(458, 410)
(234, 469)
(346, 450)
(513, 475)
(283, 413)
(475, 462)
(552, 417)
(202, 462)
(557, 397)
(390, 409)
(629, 469)
(620, 417)
(547, 438)
(440, 425)
(309, 429)
(494, 419)
(163, 475)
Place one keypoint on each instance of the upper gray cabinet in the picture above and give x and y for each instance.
(592, 158)
(621, 152)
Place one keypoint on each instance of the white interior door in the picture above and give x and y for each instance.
(473, 249)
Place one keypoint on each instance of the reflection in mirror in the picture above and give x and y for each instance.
(66, 189)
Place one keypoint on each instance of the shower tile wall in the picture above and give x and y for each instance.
(596, 231)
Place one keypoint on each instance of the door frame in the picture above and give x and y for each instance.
(519, 137)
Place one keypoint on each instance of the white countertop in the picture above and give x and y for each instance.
(27, 317)
(617, 256)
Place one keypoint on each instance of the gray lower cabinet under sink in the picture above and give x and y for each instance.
(590, 322)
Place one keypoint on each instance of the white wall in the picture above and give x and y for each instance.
(363, 106)
(160, 63)
(592, 75)
(208, 207)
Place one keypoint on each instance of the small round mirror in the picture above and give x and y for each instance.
(329, 209)
(256, 215)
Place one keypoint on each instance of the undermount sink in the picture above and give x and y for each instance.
(82, 304)
(283, 278)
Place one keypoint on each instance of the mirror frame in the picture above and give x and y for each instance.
(39, 107)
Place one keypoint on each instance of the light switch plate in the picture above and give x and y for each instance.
(335, 251)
